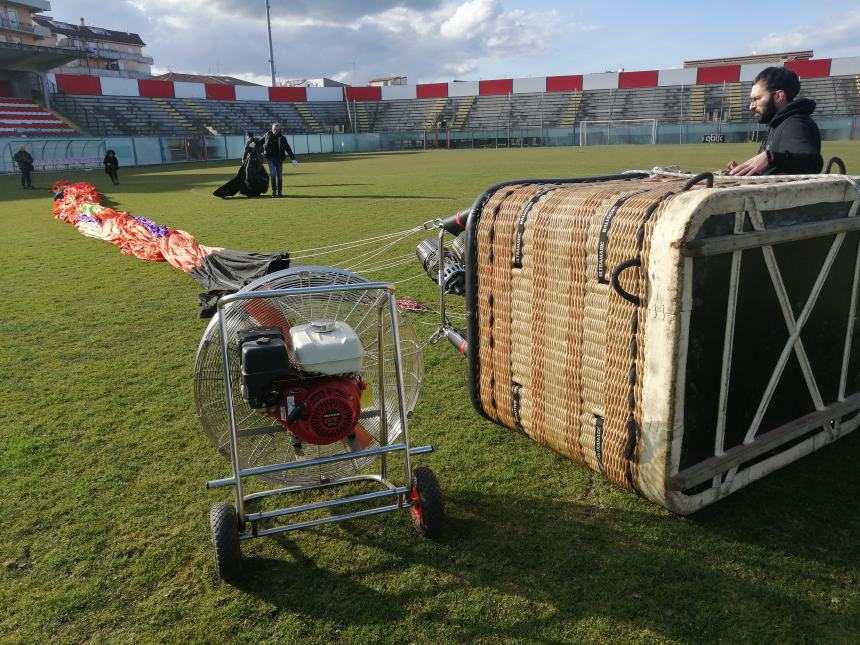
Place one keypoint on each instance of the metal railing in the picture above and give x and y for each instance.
(112, 54)
(24, 27)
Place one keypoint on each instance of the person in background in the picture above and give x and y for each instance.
(25, 164)
(251, 143)
(251, 180)
(793, 142)
(276, 149)
(112, 166)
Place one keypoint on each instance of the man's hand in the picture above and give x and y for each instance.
(295, 162)
(752, 166)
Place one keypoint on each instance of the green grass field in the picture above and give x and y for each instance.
(104, 532)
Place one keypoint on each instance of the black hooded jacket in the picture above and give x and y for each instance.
(793, 141)
(276, 146)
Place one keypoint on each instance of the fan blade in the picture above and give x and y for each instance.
(360, 439)
(267, 315)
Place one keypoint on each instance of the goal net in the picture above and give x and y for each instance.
(601, 133)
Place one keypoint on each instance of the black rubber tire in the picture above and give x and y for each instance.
(224, 525)
(428, 512)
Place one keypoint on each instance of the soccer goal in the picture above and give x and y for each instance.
(601, 133)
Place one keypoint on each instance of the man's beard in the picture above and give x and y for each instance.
(767, 112)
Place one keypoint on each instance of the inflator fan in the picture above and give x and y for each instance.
(306, 376)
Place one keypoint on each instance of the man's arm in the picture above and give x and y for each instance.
(753, 166)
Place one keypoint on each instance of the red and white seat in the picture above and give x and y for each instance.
(23, 117)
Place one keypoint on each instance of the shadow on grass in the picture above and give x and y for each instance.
(354, 156)
(807, 510)
(650, 571)
(422, 197)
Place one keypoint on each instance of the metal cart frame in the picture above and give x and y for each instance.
(405, 496)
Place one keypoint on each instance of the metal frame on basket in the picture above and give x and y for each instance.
(401, 493)
(723, 467)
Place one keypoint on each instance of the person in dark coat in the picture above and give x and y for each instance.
(793, 142)
(276, 149)
(111, 166)
(25, 164)
(251, 180)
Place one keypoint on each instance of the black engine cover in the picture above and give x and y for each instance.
(265, 359)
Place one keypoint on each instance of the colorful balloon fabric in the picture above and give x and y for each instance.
(80, 205)
(219, 270)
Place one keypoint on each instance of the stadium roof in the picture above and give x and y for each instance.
(752, 58)
(33, 5)
(201, 78)
(83, 32)
(35, 58)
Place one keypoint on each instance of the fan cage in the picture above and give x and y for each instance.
(261, 440)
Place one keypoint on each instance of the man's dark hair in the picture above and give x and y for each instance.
(779, 78)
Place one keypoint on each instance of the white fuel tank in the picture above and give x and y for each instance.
(326, 347)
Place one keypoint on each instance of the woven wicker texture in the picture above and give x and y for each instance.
(558, 346)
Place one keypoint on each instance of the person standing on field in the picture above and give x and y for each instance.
(276, 149)
(112, 166)
(25, 164)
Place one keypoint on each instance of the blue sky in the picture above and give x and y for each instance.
(640, 35)
(439, 40)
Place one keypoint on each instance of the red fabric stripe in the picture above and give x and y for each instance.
(628, 80)
(294, 94)
(432, 91)
(38, 126)
(564, 83)
(809, 68)
(497, 86)
(719, 74)
(74, 84)
(156, 89)
(218, 92)
(35, 109)
(364, 94)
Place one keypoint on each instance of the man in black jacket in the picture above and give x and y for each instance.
(793, 142)
(276, 149)
(25, 164)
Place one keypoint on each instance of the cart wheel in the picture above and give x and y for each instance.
(428, 514)
(224, 525)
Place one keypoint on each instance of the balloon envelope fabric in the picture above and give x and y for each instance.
(218, 270)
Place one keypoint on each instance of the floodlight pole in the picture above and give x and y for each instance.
(271, 52)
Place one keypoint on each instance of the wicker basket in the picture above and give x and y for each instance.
(680, 338)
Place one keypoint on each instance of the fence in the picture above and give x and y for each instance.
(83, 152)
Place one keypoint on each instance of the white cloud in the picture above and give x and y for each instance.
(470, 17)
(833, 36)
(461, 69)
(427, 40)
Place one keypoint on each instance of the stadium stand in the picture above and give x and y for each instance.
(714, 93)
(26, 118)
(144, 116)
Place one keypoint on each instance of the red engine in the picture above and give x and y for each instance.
(320, 411)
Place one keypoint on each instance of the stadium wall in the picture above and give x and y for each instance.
(95, 85)
(86, 152)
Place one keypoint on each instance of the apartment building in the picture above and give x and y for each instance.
(102, 52)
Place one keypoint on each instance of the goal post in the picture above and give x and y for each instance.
(605, 132)
(436, 138)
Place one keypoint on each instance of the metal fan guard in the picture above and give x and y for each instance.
(356, 308)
